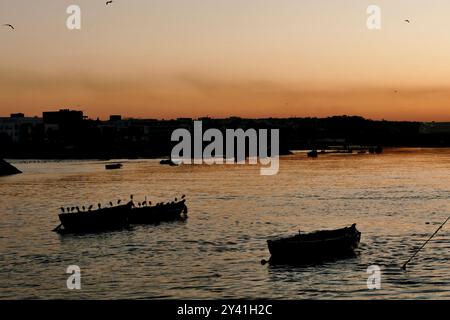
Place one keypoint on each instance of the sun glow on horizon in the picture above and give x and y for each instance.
(257, 58)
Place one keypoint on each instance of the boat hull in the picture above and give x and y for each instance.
(120, 217)
(115, 166)
(158, 214)
(315, 247)
(95, 221)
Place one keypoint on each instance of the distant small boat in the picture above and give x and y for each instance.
(113, 166)
(316, 246)
(312, 154)
(168, 162)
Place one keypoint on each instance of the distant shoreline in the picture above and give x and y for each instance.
(292, 152)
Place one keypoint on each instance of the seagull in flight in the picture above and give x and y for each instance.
(9, 25)
(109, 2)
(407, 21)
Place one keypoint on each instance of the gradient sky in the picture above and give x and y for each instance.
(250, 58)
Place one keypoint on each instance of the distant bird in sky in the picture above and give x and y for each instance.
(9, 25)
(109, 2)
(407, 21)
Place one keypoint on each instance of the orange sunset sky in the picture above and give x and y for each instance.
(249, 58)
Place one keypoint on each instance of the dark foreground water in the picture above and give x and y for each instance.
(397, 199)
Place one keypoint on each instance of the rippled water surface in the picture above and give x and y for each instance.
(397, 199)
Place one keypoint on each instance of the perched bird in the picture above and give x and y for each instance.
(83, 207)
(68, 209)
(139, 204)
(78, 209)
(183, 196)
(9, 25)
(131, 197)
(110, 203)
(72, 209)
(144, 203)
(90, 207)
(99, 206)
(119, 201)
(109, 2)
(62, 209)
(176, 199)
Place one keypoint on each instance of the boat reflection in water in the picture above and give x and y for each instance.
(120, 216)
(315, 247)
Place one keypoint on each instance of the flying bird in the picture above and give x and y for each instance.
(407, 21)
(9, 25)
(109, 2)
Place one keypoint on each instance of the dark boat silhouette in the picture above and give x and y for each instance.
(113, 166)
(312, 154)
(120, 217)
(106, 219)
(316, 246)
(159, 213)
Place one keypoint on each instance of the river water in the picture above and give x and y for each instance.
(397, 200)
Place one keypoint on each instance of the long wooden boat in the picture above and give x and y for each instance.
(120, 216)
(105, 219)
(316, 246)
(159, 213)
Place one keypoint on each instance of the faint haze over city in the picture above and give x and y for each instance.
(252, 58)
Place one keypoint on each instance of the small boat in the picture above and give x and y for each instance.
(106, 219)
(168, 162)
(159, 213)
(312, 154)
(316, 246)
(120, 216)
(113, 166)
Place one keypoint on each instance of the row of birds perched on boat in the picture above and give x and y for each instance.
(120, 216)
(144, 203)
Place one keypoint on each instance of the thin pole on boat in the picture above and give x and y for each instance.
(415, 253)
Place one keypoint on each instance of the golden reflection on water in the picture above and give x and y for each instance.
(397, 199)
